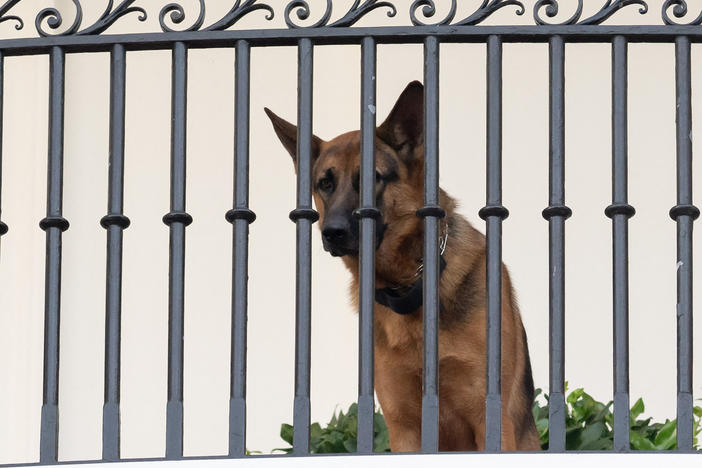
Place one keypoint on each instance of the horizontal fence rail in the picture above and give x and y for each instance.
(430, 30)
(352, 36)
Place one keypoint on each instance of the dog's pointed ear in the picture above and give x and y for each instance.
(403, 130)
(287, 133)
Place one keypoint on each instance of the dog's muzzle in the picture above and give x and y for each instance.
(339, 240)
(337, 237)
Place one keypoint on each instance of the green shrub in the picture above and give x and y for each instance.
(590, 423)
(589, 426)
(339, 436)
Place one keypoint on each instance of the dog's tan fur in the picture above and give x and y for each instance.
(398, 338)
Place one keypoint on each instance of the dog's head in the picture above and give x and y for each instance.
(399, 174)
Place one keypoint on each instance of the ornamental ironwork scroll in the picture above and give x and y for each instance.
(355, 13)
(551, 8)
(235, 13)
(486, 9)
(54, 19)
(679, 8)
(4, 17)
(296, 12)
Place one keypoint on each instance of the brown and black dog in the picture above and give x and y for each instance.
(399, 147)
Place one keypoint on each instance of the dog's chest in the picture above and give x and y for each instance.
(401, 334)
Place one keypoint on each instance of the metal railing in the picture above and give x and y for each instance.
(449, 29)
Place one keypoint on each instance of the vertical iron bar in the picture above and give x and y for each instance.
(177, 219)
(241, 216)
(3, 226)
(368, 214)
(556, 214)
(684, 213)
(620, 212)
(431, 212)
(493, 213)
(114, 222)
(53, 224)
(304, 216)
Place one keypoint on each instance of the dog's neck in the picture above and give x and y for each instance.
(398, 260)
(402, 275)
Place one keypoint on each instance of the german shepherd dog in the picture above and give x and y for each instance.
(399, 147)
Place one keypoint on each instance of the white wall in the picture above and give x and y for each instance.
(271, 314)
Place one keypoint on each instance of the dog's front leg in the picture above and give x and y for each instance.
(404, 438)
(399, 390)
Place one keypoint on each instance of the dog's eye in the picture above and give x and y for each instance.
(325, 185)
(378, 176)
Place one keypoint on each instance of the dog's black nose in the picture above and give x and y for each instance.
(335, 234)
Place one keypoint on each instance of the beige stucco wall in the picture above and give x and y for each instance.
(272, 284)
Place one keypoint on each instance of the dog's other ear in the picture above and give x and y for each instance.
(287, 133)
(403, 130)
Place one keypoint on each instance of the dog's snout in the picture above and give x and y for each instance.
(335, 233)
(339, 235)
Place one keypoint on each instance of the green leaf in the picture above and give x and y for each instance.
(666, 438)
(591, 434)
(350, 445)
(639, 442)
(286, 433)
(542, 426)
(637, 409)
(284, 450)
(574, 395)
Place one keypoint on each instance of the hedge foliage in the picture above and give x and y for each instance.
(589, 426)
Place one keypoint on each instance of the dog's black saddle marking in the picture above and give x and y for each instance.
(405, 303)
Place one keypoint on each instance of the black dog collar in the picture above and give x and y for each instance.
(408, 302)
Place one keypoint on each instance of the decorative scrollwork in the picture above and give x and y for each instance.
(355, 13)
(545, 12)
(5, 8)
(54, 20)
(551, 7)
(110, 16)
(303, 12)
(177, 15)
(235, 13)
(238, 11)
(679, 11)
(484, 11)
(429, 10)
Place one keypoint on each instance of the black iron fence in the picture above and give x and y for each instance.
(76, 38)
